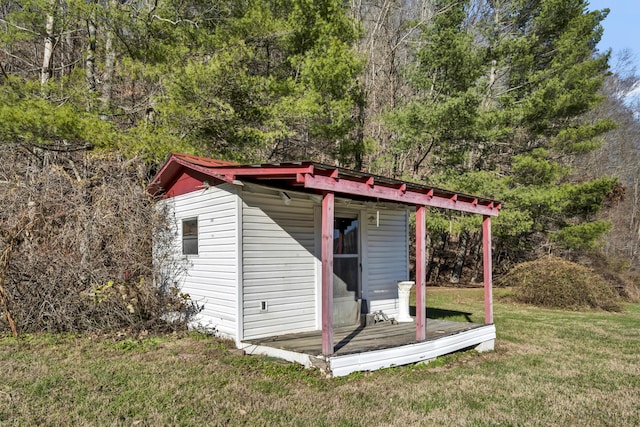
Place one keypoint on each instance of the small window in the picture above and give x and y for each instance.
(190, 236)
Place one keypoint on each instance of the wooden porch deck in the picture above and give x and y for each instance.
(375, 346)
(356, 339)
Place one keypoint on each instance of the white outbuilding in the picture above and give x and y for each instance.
(294, 259)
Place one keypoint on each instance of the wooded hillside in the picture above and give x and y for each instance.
(507, 99)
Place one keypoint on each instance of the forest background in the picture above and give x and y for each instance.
(508, 99)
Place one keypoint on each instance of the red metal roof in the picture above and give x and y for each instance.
(317, 178)
(203, 161)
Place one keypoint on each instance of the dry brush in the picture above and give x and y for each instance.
(76, 243)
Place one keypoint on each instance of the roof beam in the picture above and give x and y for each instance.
(331, 181)
(264, 171)
(229, 174)
(323, 183)
(220, 174)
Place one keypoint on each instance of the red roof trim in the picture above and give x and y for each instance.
(173, 166)
(412, 197)
(320, 177)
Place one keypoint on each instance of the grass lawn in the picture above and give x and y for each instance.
(549, 368)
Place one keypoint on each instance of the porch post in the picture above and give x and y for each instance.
(327, 273)
(486, 255)
(421, 274)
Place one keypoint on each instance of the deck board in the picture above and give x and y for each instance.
(352, 339)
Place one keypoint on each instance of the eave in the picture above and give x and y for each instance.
(319, 178)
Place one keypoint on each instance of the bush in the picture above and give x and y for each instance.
(76, 233)
(557, 283)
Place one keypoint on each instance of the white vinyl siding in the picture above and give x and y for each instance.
(278, 265)
(211, 279)
(387, 262)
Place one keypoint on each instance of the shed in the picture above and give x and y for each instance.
(293, 259)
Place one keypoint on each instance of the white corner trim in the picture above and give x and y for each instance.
(239, 263)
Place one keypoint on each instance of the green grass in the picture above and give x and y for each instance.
(550, 367)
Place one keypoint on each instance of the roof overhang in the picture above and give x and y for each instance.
(318, 178)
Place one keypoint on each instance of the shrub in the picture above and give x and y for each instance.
(557, 283)
(76, 234)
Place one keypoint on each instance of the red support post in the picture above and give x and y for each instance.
(421, 274)
(486, 255)
(327, 273)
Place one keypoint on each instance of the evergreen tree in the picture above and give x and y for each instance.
(273, 80)
(550, 77)
(502, 88)
(257, 79)
(439, 121)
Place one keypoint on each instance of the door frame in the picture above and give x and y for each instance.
(353, 214)
(340, 211)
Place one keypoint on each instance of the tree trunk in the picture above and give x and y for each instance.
(428, 254)
(13, 236)
(109, 64)
(49, 40)
(476, 258)
(67, 53)
(84, 228)
(634, 224)
(461, 255)
(90, 62)
(4, 299)
(435, 273)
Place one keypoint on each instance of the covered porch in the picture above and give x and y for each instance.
(382, 345)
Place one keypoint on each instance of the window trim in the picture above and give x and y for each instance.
(190, 237)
